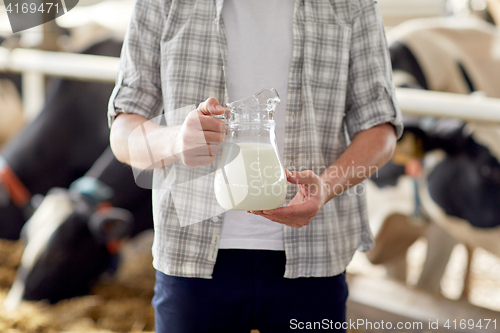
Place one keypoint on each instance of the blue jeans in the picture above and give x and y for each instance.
(248, 291)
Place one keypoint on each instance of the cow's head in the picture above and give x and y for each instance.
(71, 241)
(465, 179)
(467, 185)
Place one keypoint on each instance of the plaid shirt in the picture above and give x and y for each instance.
(340, 83)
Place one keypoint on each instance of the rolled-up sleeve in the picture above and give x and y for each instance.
(138, 84)
(370, 99)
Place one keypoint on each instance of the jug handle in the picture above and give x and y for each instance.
(220, 117)
(224, 117)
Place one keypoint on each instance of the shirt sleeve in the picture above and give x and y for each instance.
(370, 99)
(138, 83)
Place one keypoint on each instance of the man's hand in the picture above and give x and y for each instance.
(199, 136)
(312, 195)
(195, 142)
(369, 150)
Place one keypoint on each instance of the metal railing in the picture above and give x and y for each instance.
(476, 108)
(35, 65)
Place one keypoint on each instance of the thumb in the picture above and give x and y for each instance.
(304, 177)
(211, 107)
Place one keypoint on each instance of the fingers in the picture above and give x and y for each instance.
(304, 177)
(302, 210)
(211, 124)
(213, 137)
(203, 155)
(212, 130)
(197, 121)
(297, 213)
(191, 139)
(211, 107)
(200, 135)
(199, 129)
(295, 223)
(202, 150)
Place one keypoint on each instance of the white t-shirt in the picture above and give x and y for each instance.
(259, 43)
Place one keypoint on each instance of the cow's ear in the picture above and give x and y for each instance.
(111, 224)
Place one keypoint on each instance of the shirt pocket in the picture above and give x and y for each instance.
(326, 53)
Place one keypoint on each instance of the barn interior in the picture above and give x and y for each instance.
(434, 210)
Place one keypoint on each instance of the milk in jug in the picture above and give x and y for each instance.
(250, 175)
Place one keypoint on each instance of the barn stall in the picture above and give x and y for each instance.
(121, 302)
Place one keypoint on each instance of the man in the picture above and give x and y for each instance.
(269, 270)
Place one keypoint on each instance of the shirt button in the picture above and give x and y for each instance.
(215, 219)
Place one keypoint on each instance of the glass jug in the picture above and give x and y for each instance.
(250, 174)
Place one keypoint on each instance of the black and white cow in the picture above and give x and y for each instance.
(456, 55)
(74, 235)
(465, 182)
(459, 192)
(59, 146)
